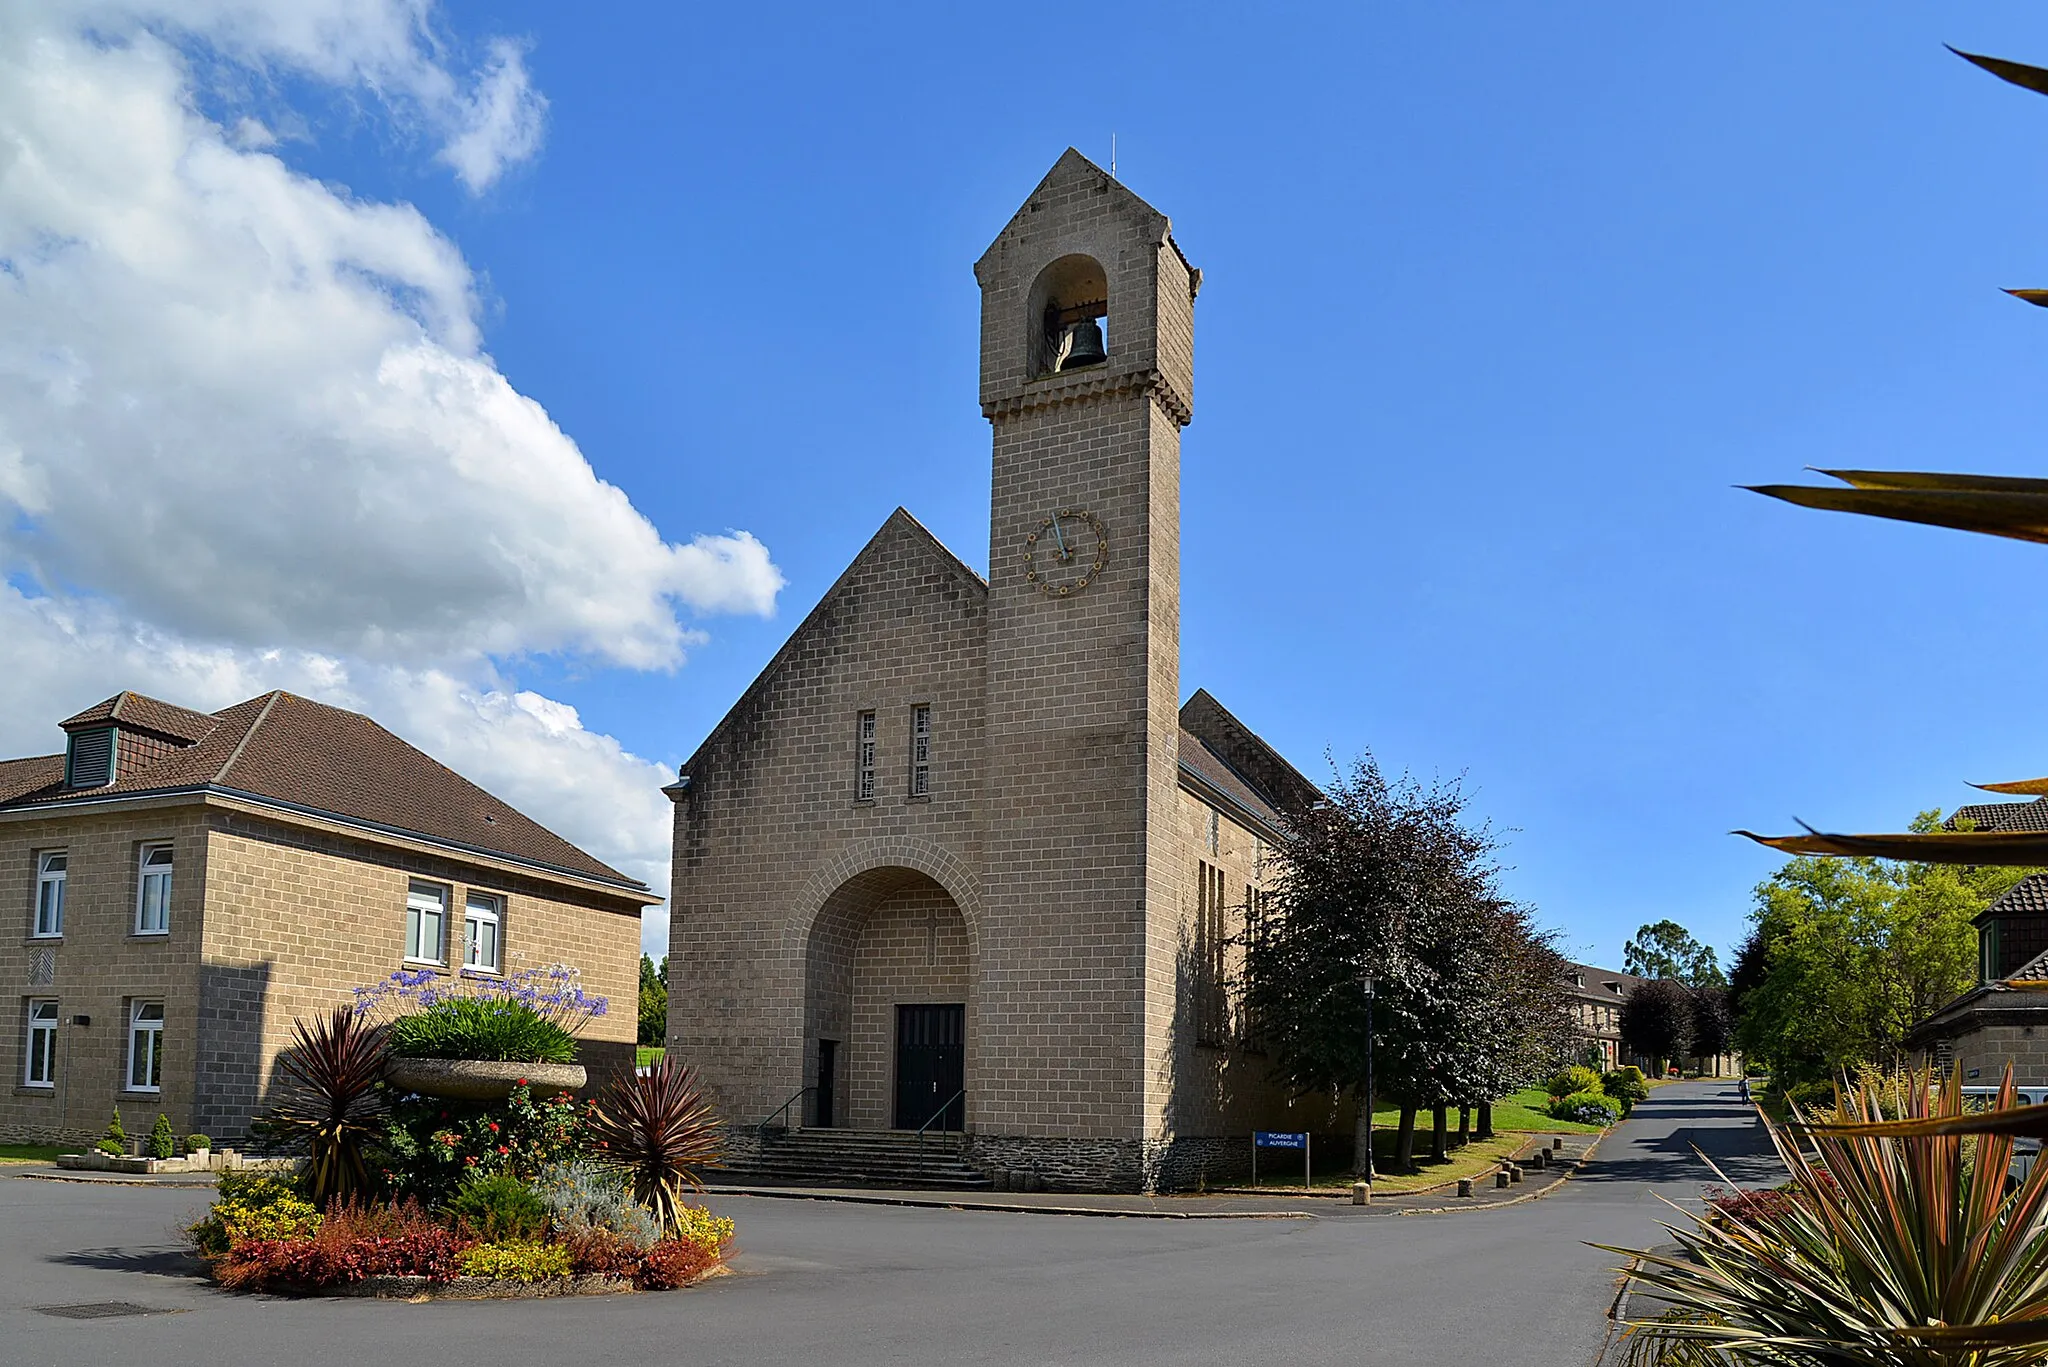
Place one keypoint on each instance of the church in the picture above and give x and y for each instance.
(960, 862)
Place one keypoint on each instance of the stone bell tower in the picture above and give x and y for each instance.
(1087, 329)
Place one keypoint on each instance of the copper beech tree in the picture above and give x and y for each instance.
(1390, 881)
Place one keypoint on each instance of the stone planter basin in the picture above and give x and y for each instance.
(471, 1079)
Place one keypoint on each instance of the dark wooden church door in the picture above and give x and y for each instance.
(931, 1066)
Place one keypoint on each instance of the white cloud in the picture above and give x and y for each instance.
(287, 385)
(501, 122)
(249, 434)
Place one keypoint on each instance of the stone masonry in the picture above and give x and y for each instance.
(1069, 877)
(271, 919)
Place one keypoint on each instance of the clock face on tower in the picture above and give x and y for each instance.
(1066, 552)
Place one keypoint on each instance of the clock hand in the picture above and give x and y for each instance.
(1060, 537)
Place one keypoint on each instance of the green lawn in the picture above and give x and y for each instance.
(1529, 1109)
(29, 1153)
(644, 1054)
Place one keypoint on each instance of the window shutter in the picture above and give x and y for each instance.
(90, 762)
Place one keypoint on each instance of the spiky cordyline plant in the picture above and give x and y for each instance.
(656, 1129)
(1902, 1247)
(331, 1107)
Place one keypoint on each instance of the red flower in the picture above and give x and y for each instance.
(471, 1160)
(503, 1149)
(522, 1082)
(494, 1127)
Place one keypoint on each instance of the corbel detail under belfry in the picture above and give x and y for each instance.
(1095, 382)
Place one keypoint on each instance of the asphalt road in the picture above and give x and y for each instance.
(826, 1283)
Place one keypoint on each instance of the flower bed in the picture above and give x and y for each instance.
(408, 1195)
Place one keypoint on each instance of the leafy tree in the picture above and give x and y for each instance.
(1391, 881)
(1656, 1020)
(1668, 950)
(653, 1000)
(1713, 1027)
(1845, 955)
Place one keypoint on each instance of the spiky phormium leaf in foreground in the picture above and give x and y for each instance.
(1902, 1247)
(657, 1129)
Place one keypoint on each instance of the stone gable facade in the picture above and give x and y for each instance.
(956, 800)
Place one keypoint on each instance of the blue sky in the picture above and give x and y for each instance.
(1499, 306)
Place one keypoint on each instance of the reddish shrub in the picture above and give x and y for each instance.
(599, 1252)
(672, 1263)
(352, 1243)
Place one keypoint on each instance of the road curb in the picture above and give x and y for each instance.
(862, 1198)
(1547, 1189)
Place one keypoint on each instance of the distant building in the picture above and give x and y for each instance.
(2004, 1018)
(189, 882)
(1597, 995)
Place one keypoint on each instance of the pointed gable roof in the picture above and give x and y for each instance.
(899, 528)
(1074, 173)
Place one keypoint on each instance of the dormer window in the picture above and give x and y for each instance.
(89, 759)
(1578, 980)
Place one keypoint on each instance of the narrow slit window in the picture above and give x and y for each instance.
(51, 872)
(153, 893)
(146, 1047)
(426, 915)
(42, 1043)
(482, 917)
(864, 759)
(921, 751)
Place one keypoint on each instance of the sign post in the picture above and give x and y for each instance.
(1280, 1139)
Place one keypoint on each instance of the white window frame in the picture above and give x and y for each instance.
(148, 1030)
(153, 890)
(921, 750)
(421, 900)
(483, 912)
(42, 1021)
(50, 885)
(864, 758)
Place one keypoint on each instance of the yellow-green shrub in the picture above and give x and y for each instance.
(254, 1206)
(522, 1261)
(701, 1227)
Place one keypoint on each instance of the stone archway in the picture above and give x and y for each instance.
(886, 939)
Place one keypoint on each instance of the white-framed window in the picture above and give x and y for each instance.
(864, 759)
(51, 870)
(42, 1043)
(921, 750)
(153, 891)
(426, 923)
(146, 1047)
(482, 919)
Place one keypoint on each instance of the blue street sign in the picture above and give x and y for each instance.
(1274, 1139)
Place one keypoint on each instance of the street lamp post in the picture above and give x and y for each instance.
(1371, 987)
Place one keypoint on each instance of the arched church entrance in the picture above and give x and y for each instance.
(887, 1007)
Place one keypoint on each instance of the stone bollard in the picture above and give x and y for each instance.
(1361, 1193)
(1543, 1158)
(1000, 1179)
(1500, 1179)
(1464, 1186)
(1034, 1181)
(1514, 1172)
(1557, 1143)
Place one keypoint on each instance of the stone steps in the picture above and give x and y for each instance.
(866, 1158)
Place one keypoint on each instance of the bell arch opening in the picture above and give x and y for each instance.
(888, 1006)
(1069, 316)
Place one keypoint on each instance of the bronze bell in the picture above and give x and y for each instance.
(1087, 346)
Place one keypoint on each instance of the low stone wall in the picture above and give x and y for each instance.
(1057, 1164)
(46, 1134)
